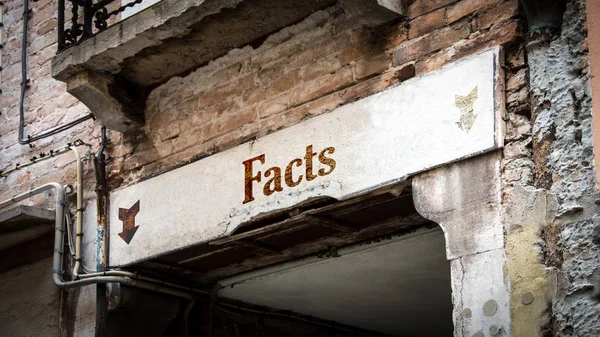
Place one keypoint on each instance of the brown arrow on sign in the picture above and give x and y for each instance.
(128, 218)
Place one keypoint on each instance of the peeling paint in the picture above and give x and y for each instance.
(465, 105)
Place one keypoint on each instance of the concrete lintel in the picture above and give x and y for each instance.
(116, 104)
(22, 216)
(374, 12)
(464, 199)
(396, 6)
(106, 51)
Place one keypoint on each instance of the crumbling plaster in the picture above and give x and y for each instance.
(559, 220)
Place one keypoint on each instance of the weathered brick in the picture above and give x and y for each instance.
(285, 82)
(42, 14)
(168, 131)
(517, 80)
(361, 90)
(426, 23)
(396, 36)
(321, 86)
(273, 105)
(398, 74)
(150, 155)
(370, 66)
(46, 26)
(226, 91)
(439, 39)
(498, 14)
(187, 139)
(517, 127)
(323, 67)
(465, 8)
(517, 98)
(515, 57)
(323, 104)
(510, 32)
(42, 42)
(201, 117)
(420, 7)
(229, 123)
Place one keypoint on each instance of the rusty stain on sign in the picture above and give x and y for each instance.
(128, 218)
(465, 105)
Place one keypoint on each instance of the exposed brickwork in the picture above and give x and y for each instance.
(299, 72)
(47, 103)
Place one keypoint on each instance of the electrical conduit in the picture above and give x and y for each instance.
(111, 276)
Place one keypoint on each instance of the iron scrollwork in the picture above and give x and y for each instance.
(95, 19)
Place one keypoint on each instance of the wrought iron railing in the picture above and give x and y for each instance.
(88, 17)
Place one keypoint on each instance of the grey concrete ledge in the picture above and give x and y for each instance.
(105, 52)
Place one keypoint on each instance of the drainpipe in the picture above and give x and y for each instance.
(102, 234)
(57, 267)
(79, 224)
(102, 276)
(121, 277)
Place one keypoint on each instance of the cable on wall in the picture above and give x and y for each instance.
(1, 46)
(25, 83)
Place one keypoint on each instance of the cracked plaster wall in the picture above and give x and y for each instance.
(563, 174)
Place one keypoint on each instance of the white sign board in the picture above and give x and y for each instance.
(428, 121)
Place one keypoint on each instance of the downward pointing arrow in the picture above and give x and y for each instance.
(128, 218)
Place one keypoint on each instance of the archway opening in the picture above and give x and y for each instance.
(398, 285)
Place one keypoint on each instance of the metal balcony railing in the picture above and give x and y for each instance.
(88, 17)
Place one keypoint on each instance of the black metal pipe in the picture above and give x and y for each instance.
(61, 22)
(25, 82)
(102, 232)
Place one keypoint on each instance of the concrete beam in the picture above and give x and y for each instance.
(116, 104)
(396, 6)
(106, 51)
(372, 13)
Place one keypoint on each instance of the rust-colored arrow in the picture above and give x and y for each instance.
(128, 218)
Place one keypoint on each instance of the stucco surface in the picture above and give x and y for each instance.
(563, 149)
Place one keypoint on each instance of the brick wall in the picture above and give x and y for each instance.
(302, 71)
(47, 104)
(306, 70)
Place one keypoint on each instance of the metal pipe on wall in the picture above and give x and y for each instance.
(101, 233)
(57, 265)
(110, 276)
(79, 225)
(25, 83)
(1, 43)
(34, 160)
